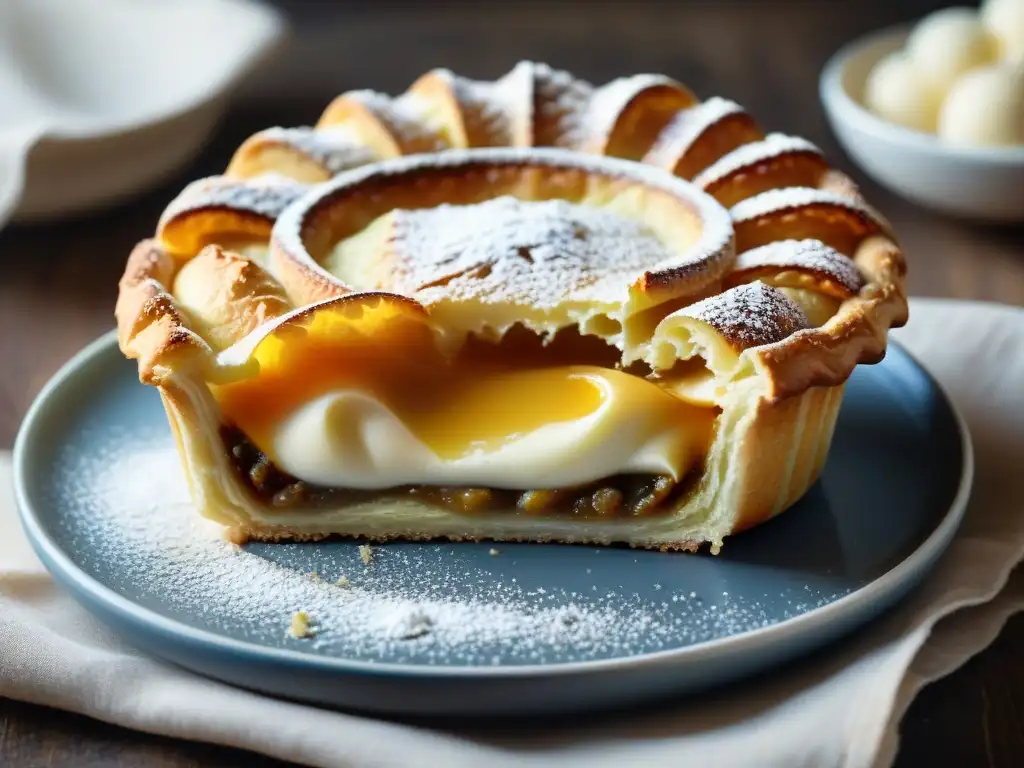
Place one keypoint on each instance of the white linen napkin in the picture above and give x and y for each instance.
(838, 708)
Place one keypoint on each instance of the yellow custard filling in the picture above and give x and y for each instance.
(367, 400)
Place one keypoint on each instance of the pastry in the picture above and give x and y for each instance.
(529, 309)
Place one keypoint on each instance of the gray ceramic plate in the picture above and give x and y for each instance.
(476, 629)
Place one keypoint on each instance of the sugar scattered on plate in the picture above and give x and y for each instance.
(134, 528)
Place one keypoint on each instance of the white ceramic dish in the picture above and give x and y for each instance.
(984, 183)
(102, 98)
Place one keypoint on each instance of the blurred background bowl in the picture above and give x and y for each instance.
(986, 184)
(79, 129)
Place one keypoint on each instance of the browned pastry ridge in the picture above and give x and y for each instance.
(664, 228)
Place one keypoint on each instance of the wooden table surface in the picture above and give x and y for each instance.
(58, 280)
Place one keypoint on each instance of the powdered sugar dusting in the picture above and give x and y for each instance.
(335, 148)
(609, 101)
(811, 256)
(404, 119)
(266, 195)
(773, 146)
(535, 253)
(709, 256)
(750, 315)
(495, 113)
(128, 519)
(686, 127)
(560, 103)
(777, 200)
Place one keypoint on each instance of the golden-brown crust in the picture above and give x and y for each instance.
(150, 326)
(748, 316)
(801, 375)
(278, 533)
(702, 135)
(777, 479)
(799, 264)
(161, 341)
(227, 296)
(304, 154)
(858, 332)
(773, 163)
(804, 213)
(222, 208)
(626, 116)
(149, 268)
(556, 101)
(475, 113)
(390, 125)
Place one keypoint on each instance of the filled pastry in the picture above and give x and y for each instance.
(531, 309)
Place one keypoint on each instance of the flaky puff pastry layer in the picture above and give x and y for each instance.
(818, 272)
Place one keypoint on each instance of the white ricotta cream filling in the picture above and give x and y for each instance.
(350, 439)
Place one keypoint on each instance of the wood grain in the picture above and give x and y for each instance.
(58, 280)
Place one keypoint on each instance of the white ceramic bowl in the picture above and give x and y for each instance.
(100, 99)
(978, 183)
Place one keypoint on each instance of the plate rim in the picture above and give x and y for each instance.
(67, 572)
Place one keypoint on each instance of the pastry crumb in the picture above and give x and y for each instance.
(343, 582)
(300, 627)
(494, 552)
(236, 536)
(365, 553)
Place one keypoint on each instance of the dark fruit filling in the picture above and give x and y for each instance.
(621, 495)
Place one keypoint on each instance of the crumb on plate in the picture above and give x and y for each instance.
(300, 626)
(365, 553)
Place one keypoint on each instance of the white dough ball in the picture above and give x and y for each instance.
(947, 43)
(1005, 21)
(985, 107)
(895, 91)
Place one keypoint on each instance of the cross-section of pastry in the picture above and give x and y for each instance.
(531, 309)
